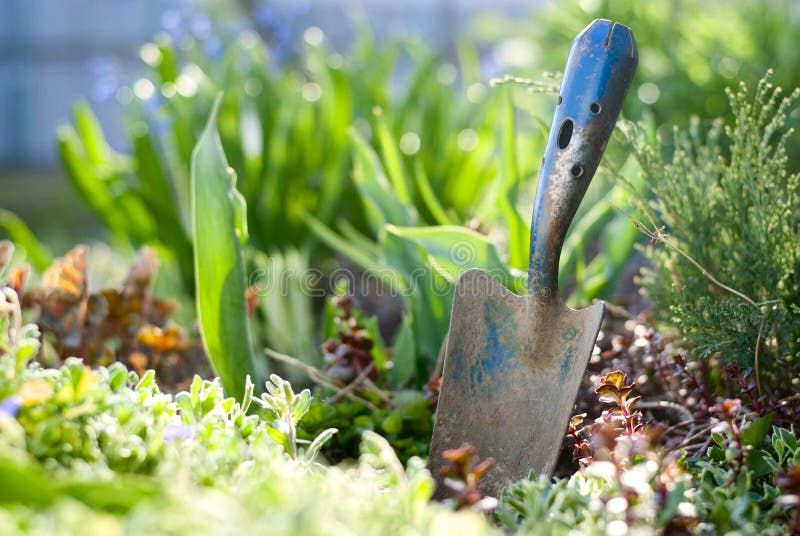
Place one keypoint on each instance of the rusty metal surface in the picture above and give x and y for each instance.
(513, 364)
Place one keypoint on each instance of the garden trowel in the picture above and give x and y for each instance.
(513, 364)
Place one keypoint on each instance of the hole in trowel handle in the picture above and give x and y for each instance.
(565, 133)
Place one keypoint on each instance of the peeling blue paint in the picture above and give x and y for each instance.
(565, 364)
(497, 362)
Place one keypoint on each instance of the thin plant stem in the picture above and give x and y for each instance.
(352, 385)
(656, 235)
(318, 377)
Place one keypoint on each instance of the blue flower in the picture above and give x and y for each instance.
(10, 407)
(178, 431)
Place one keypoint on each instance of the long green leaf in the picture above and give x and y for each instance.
(97, 149)
(517, 229)
(429, 292)
(381, 202)
(93, 191)
(392, 159)
(341, 245)
(452, 250)
(21, 235)
(429, 196)
(156, 190)
(218, 218)
(403, 354)
(286, 303)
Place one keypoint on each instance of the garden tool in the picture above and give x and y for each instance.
(513, 364)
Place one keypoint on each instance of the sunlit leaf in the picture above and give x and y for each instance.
(219, 263)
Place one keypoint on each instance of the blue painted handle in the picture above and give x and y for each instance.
(597, 76)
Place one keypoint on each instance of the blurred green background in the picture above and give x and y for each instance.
(52, 54)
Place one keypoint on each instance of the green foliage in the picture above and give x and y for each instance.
(741, 485)
(600, 499)
(102, 451)
(421, 263)
(283, 284)
(689, 54)
(729, 204)
(363, 387)
(20, 234)
(287, 408)
(411, 128)
(219, 230)
(746, 497)
(407, 424)
(292, 159)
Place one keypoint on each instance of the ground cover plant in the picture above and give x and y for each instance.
(225, 383)
(102, 451)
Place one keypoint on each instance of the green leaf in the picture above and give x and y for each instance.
(429, 196)
(755, 434)
(313, 449)
(286, 289)
(341, 245)
(403, 354)
(380, 200)
(95, 146)
(452, 250)
(280, 437)
(429, 292)
(393, 160)
(24, 484)
(379, 356)
(21, 235)
(121, 494)
(393, 423)
(518, 235)
(26, 348)
(93, 171)
(157, 191)
(219, 262)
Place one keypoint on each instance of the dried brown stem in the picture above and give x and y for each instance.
(352, 385)
(317, 376)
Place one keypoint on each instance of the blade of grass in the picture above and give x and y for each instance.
(517, 229)
(381, 202)
(429, 196)
(341, 245)
(392, 159)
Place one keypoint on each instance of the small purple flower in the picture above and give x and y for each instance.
(178, 431)
(10, 407)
